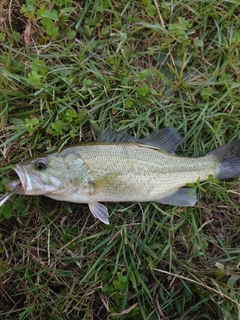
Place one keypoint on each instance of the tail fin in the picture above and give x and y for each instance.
(228, 158)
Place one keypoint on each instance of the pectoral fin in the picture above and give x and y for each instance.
(99, 211)
(181, 197)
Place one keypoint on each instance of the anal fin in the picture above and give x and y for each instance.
(181, 197)
(99, 211)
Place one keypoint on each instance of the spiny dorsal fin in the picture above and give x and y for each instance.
(110, 135)
(167, 139)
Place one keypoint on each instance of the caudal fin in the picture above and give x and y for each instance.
(228, 158)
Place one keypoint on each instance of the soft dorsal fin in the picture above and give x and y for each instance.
(110, 135)
(167, 139)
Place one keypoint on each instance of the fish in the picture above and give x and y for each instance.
(121, 168)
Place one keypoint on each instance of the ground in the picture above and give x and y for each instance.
(69, 70)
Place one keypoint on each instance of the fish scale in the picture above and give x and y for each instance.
(141, 172)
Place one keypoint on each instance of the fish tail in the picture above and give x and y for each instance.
(228, 158)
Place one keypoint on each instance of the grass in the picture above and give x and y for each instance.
(70, 69)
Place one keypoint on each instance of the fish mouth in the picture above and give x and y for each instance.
(22, 176)
(30, 184)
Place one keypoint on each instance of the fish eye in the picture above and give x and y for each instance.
(40, 165)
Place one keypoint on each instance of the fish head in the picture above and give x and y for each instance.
(43, 176)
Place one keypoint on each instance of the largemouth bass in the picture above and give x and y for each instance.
(121, 168)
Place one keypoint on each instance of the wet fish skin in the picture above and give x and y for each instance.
(121, 168)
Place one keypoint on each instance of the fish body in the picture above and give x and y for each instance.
(120, 168)
(115, 172)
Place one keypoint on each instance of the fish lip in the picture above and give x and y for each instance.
(22, 176)
(11, 185)
(27, 184)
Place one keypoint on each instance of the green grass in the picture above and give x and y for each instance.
(136, 66)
